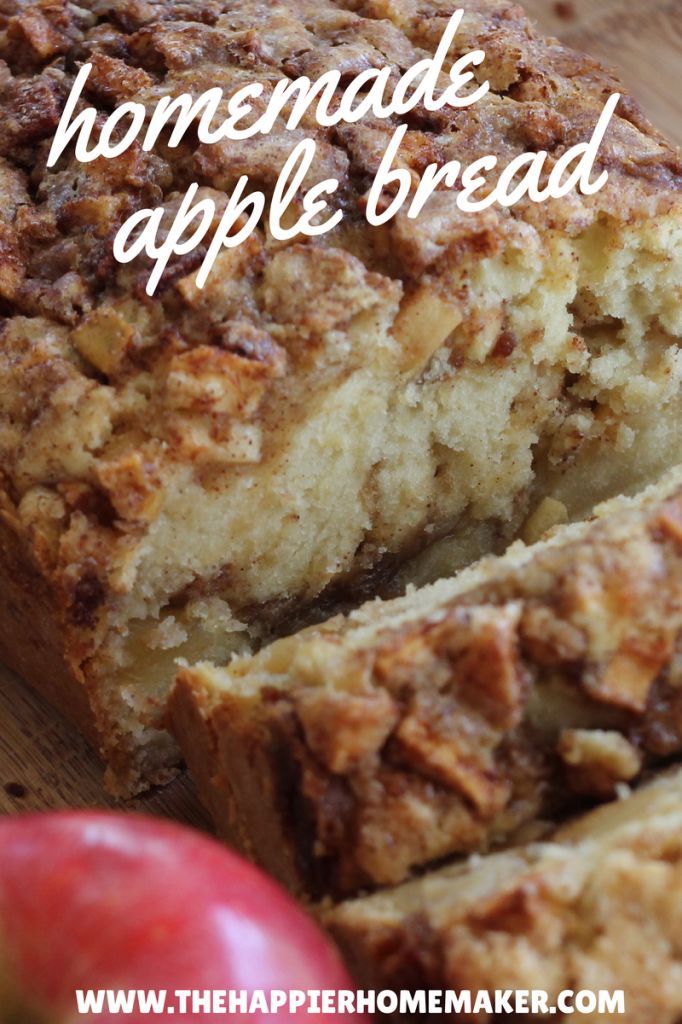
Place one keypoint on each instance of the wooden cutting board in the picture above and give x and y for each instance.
(43, 762)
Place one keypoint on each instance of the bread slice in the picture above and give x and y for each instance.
(598, 908)
(185, 475)
(441, 723)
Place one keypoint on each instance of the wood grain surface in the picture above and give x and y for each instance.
(43, 762)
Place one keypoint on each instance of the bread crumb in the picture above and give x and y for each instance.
(565, 9)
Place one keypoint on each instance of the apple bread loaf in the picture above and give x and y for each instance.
(599, 908)
(183, 475)
(441, 723)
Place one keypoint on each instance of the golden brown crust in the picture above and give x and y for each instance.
(41, 641)
(597, 909)
(33, 640)
(253, 820)
(449, 720)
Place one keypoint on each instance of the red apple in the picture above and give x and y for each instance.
(113, 901)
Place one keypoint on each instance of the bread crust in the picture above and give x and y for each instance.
(253, 811)
(441, 723)
(34, 636)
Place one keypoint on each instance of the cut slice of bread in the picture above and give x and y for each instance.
(598, 909)
(350, 754)
(185, 475)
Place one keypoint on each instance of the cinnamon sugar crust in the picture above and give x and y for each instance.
(174, 469)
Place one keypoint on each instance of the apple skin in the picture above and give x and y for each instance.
(92, 900)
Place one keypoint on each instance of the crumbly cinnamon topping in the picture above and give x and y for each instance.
(58, 279)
